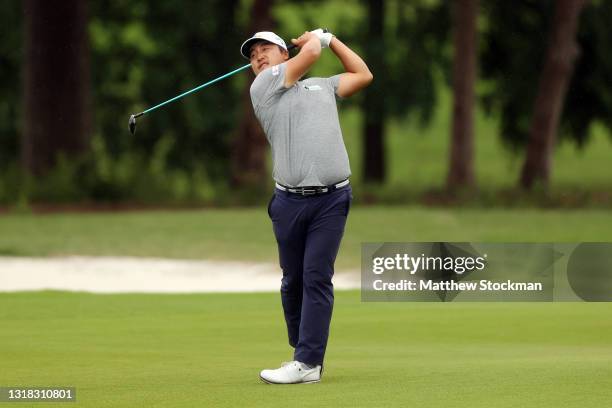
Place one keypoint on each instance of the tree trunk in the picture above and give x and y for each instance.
(57, 112)
(461, 170)
(249, 146)
(374, 102)
(554, 80)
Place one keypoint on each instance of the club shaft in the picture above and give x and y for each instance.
(292, 46)
(195, 89)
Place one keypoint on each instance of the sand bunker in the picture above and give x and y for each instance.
(146, 275)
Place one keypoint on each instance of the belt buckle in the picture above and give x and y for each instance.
(307, 192)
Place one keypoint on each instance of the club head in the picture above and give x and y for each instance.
(132, 124)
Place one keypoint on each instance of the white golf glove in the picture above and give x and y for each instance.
(324, 37)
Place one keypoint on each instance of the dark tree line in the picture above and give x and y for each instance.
(147, 51)
(554, 78)
(249, 144)
(57, 103)
(552, 87)
(516, 19)
(551, 75)
(374, 96)
(461, 167)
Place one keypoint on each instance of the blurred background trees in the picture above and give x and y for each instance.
(71, 75)
(56, 84)
(555, 76)
(465, 55)
(249, 146)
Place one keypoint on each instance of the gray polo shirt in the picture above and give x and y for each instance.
(302, 126)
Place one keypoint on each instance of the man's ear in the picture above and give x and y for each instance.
(285, 54)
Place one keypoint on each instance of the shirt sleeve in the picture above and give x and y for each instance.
(334, 81)
(268, 85)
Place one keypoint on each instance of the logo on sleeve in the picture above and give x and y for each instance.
(275, 70)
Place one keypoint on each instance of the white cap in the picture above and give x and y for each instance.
(269, 36)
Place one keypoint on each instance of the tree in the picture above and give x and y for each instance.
(248, 150)
(404, 46)
(56, 92)
(461, 170)
(514, 41)
(11, 46)
(555, 77)
(195, 41)
(374, 103)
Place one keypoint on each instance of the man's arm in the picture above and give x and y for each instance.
(357, 75)
(310, 50)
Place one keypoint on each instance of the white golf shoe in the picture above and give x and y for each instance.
(292, 372)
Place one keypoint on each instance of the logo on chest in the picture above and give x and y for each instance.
(312, 87)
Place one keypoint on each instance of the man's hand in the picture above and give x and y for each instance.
(310, 50)
(303, 39)
(324, 37)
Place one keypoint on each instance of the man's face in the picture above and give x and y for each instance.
(265, 54)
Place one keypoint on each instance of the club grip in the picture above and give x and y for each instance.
(293, 46)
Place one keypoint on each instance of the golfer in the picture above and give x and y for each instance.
(311, 201)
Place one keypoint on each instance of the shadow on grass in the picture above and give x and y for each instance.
(11, 251)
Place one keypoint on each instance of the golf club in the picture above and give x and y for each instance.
(132, 121)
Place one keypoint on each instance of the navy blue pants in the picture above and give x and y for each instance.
(308, 231)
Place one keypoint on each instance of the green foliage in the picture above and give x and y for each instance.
(415, 48)
(416, 159)
(415, 39)
(513, 47)
(142, 53)
(512, 55)
(10, 80)
(590, 94)
(145, 52)
(99, 176)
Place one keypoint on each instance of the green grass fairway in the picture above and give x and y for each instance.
(207, 350)
(246, 234)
